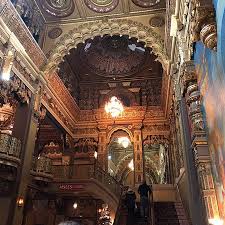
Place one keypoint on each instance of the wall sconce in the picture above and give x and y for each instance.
(20, 202)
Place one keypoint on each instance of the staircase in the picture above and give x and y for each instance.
(169, 213)
(165, 213)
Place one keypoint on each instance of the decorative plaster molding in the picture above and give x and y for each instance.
(87, 30)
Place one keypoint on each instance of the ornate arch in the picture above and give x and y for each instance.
(84, 31)
(119, 128)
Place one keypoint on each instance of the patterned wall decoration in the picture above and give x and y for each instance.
(101, 6)
(211, 80)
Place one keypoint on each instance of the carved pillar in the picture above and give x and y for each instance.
(201, 151)
(102, 148)
(180, 140)
(175, 145)
(138, 155)
(25, 128)
(204, 23)
(199, 142)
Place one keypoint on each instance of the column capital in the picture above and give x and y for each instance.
(204, 23)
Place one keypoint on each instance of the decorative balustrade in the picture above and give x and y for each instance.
(86, 172)
(42, 168)
(10, 149)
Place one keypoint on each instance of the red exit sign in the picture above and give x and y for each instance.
(71, 187)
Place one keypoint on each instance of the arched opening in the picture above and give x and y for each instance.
(120, 157)
(156, 163)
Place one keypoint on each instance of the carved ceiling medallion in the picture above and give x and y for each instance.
(157, 21)
(58, 8)
(146, 3)
(54, 32)
(113, 56)
(101, 6)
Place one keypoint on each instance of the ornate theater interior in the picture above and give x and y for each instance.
(98, 96)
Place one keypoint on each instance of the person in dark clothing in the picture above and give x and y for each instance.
(144, 190)
(130, 203)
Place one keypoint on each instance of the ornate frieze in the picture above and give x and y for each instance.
(157, 139)
(14, 89)
(85, 132)
(204, 23)
(57, 87)
(14, 22)
(54, 107)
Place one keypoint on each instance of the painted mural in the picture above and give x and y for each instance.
(210, 66)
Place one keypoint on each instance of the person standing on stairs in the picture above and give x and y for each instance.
(144, 190)
(130, 203)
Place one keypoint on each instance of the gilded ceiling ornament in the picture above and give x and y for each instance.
(157, 21)
(112, 56)
(58, 8)
(101, 6)
(55, 32)
(146, 3)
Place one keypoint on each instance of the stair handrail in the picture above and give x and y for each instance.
(107, 180)
(118, 211)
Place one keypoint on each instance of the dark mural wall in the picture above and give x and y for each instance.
(210, 67)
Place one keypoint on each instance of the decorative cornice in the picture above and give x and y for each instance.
(87, 30)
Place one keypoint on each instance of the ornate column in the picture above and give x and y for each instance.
(102, 148)
(138, 154)
(175, 145)
(199, 141)
(201, 151)
(204, 23)
(25, 129)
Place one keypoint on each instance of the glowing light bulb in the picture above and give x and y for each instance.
(75, 205)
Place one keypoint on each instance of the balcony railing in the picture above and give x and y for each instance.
(86, 172)
(42, 169)
(10, 149)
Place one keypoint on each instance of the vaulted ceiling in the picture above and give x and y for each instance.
(108, 64)
(112, 65)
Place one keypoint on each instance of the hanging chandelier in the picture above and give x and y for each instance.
(114, 107)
